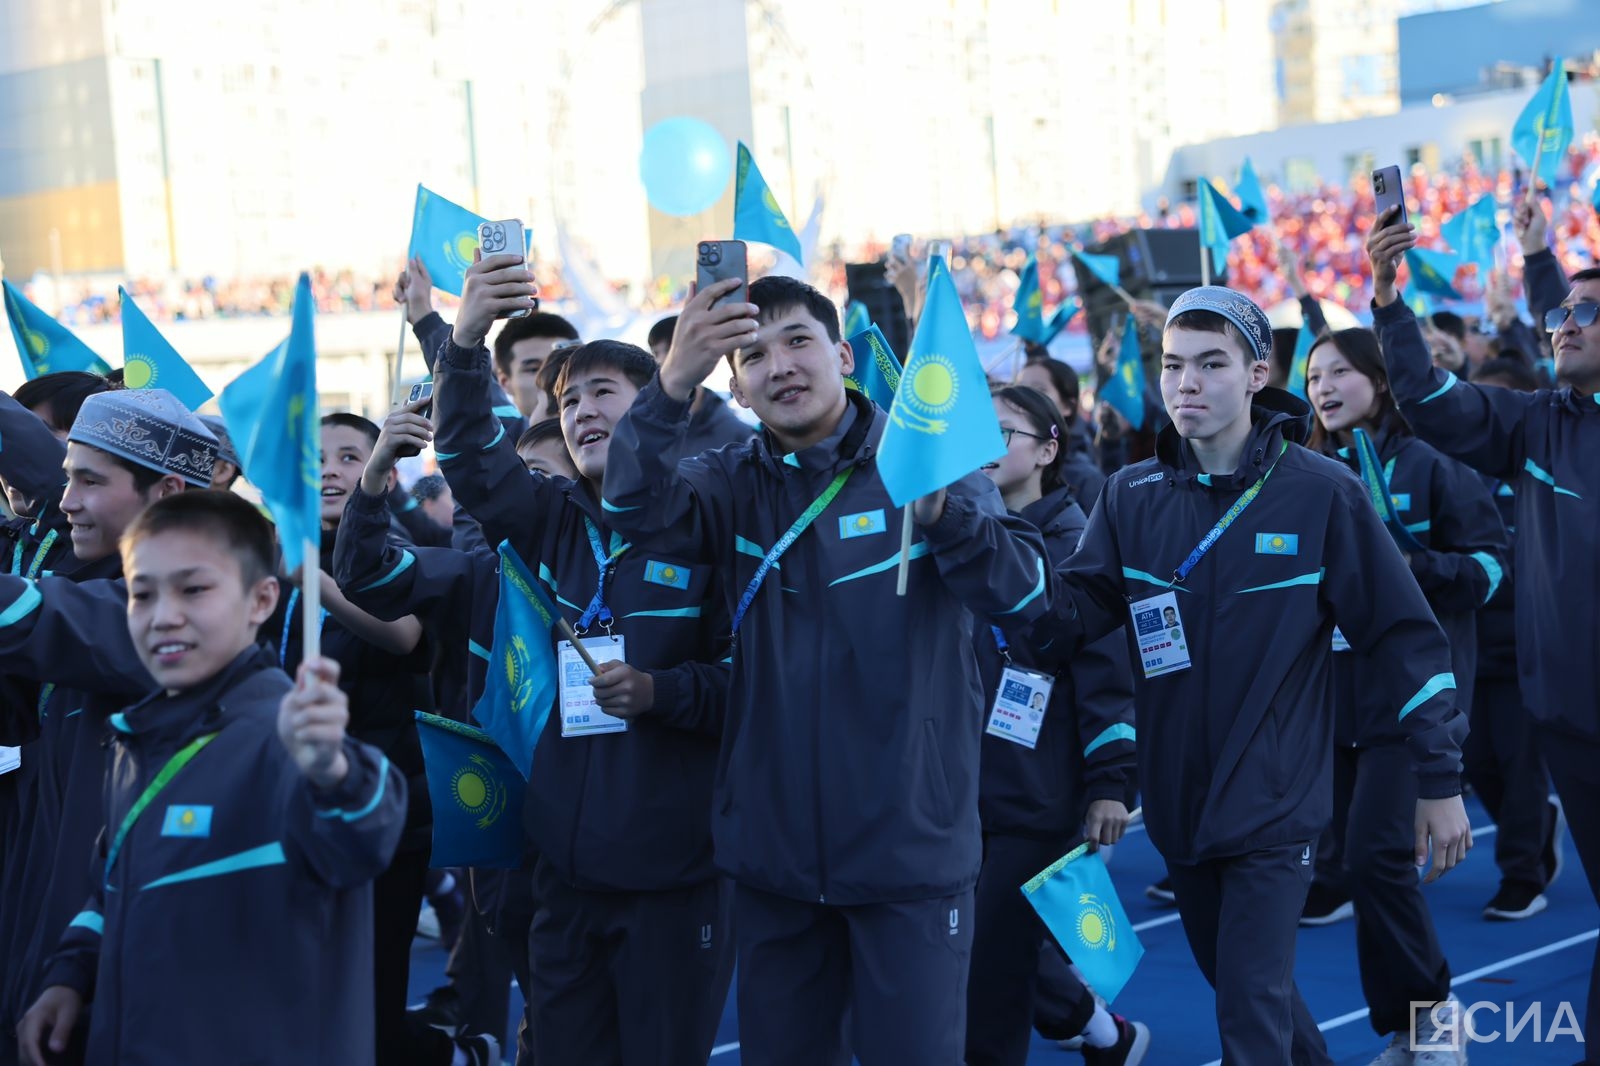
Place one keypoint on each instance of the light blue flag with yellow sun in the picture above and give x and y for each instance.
(271, 412)
(1108, 268)
(1545, 127)
(1302, 356)
(1475, 233)
(756, 214)
(1064, 313)
(476, 794)
(1124, 389)
(1076, 901)
(942, 424)
(43, 344)
(149, 362)
(1433, 272)
(521, 684)
(1220, 223)
(1252, 200)
(877, 371)
(856, 318)
(1029, 304)
(445, 236)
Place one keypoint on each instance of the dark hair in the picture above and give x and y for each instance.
(661, 332)
(225, 517)
(348, 420)
(1042, 413)
(1065, 381)
(1451, 323)
(64, 391)
(1361, 350)
(775, 294)
(545, 379)
(428, 487)
(1283, 345)
(114, 378)
(1034, 352)
(1201, 321)
(1515, 372)
(1586, 274)
(538, 324)
(630, 360)
(541, 431)
(144, 478)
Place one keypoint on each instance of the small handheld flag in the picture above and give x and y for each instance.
(521, 684)
(476, 794)
(1124, 389)
(942, 424)
(1375, 476)
(1545, 128)
(1105, 267)
(1302, 356)
(1475, 233)
(1058, 321)
(149, 361)
(1433, 273)
(1252, 200)
(756, 214)
(43, 344)
(877, 371)
(1075, 899)
(856, 318)
(1029, 304)
(444, 236)
(1220, 223)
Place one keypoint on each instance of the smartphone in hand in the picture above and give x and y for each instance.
(1388, 190)
(719, 260)
(504, 238)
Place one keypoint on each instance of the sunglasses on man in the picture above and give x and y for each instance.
(1583, 313)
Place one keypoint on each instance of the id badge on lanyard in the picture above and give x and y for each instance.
(10, 759)
(1163, 647)
(1019, 706)
(581, 716)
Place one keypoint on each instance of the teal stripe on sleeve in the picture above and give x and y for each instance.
(1038, 589)
(1120, 731)
(607, 505)
(24, 605)
(676, 612)
(918, 550)
(89, 920)
(1540, 474)
(254, 859)
(499, 435)
(405, 563)
(1131, 574)
(1450, 381)
(1436, 684)
(372, 804)
(479, 650)
(1491, 568)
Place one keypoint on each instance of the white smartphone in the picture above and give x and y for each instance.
(504, 238)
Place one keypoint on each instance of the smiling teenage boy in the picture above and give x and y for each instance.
(243, 827)
(846, 798)
(1255, 544)
(1544, 445)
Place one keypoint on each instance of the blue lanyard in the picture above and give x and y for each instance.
(602, 563)
(38, 556)
(1000, 642)
(801, 524)
(288, 620)
(1224, 522)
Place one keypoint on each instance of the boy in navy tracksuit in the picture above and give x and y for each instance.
(1259, 547)
(628, 947)
(124, 450)
(1446, 525)
(243, 827)
(1543, 444)
(846, 800)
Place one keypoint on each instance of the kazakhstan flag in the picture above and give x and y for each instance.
(444, 235)
(756, 214)
(1474, 234)
(1220, 223)
(1547, 120)
(942, 424)
(1063, 314)
(271, 414)
(1375, 476)
(1076, 901)
(877, 371)
(1433, 273)
(856, 318)
(521, 685)
(1252, 200)
(43, 344)
(1108, 268)
(149, 362)
(1302, 356)
(1124, 389)
(476, 794)
(1029, 305)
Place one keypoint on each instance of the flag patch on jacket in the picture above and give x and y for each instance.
(862, 525)
(673, 577)
(187, 820)
(1277, 544)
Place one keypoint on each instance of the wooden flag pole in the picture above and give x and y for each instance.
(577, 645)
(311, 598)
(905, 552)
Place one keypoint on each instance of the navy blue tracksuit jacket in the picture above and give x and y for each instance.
(1235, 760)
(1449, 512)
(849, 765)
(1544, 445)
(235, 923)
(1086, 747)
(620, 812)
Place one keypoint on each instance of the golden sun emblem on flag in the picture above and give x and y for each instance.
(477, 790)
(139, 372)
(776, 211)
(1096, 927)
(933, 392)
(38, 344)
(518, 676)
(863, 522)
(460, 248)
(669, 573)
(187, 819)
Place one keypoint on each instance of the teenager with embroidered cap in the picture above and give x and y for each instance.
(1543, 444)
(1057, 768)
(1256, 543)
(845, 807)
(243, 827)
(1452, 539)
(629, 948)
(125, 450)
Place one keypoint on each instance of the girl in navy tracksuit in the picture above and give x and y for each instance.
(1448, 528)
(1034, 801)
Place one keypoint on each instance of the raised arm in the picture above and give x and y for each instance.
(69, 633)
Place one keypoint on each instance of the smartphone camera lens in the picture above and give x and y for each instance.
(710, 254)
(1378, 183)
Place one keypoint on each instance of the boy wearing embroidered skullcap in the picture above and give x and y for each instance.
(243, 827)
(1246, 537)
(124, 451)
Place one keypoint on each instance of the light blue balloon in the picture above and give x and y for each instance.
(685, 165)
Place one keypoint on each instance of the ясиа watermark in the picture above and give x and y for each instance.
(1452, 1025)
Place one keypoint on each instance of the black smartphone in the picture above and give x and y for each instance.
(720, 260)
(1388, 190)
